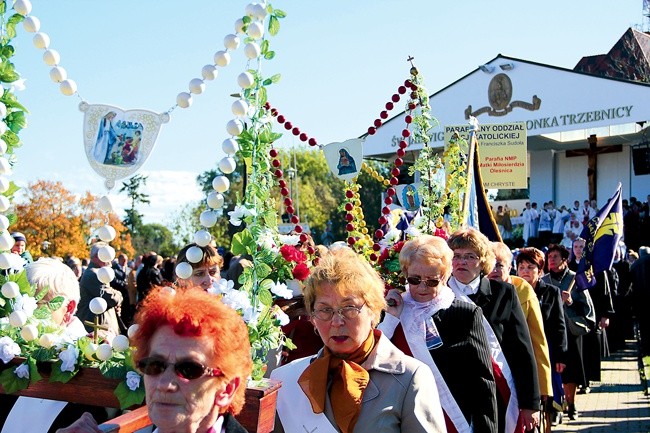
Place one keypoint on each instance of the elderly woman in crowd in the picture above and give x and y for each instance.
(206, 271)
(35, 415)
(532, 312)
(505, 327)
(530, 267)
(447, 334)
(359, 382)
(579, 311)
(195, 357)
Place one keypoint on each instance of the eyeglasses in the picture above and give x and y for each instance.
(465, 257)
(499, 265)
(415, 281)
(189, 370)
(326, 314)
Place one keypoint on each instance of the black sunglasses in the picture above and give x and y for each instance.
(415, 281)
(189, 370)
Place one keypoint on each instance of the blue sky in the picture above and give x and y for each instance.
(340, 62)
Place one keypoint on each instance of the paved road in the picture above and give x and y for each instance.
(616, 404)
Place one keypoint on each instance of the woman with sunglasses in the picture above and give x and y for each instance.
(360, 382)
(445, 333)
(194, 354)
(518, 399)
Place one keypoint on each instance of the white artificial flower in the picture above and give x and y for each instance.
(251, 315)
(8, 349)
(26, 304)
(68, 358)
(413, 232)
(132, 380)
(390, 238)
(16, 263)
(266, 241)
(239, 213)
(281, 316)
(237, 300)
(22, 371)
(292, 240)
(221, 287)
(281, 290)
(265, 119)
(17, 85)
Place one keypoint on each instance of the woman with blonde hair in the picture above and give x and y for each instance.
(447, 334)
(206, 271)
(359, 382)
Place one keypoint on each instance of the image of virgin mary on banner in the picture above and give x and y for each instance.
(344, 159)
(118, 142)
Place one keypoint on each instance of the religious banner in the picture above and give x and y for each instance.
(118, 142)
(408, 196)
(503, 156)
(344, 159)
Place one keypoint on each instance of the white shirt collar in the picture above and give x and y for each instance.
(468, 289)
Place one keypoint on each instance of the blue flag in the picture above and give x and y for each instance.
(601, 234)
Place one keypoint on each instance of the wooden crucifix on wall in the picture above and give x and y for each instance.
(592, 161)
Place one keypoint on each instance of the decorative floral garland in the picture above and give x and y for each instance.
(276, 260)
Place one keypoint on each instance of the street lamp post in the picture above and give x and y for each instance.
(292, 176)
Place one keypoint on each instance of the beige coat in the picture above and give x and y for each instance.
(401, 396)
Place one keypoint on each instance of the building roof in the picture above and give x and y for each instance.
(574, 103)
(628, 59)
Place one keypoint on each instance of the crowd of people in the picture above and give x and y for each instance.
(563, 224)
(509, 326)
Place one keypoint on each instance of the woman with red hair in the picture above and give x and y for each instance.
(194, 354)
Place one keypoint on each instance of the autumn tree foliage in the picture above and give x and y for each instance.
(51, 213)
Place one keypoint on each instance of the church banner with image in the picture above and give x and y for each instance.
(503, 152)
(344, 159)
(117, 142)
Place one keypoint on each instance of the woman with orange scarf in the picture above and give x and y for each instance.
(359, 382)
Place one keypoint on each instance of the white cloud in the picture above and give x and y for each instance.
(168, 190)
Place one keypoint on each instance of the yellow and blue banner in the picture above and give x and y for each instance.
(601, 234)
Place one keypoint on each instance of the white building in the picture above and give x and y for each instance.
(562, 109)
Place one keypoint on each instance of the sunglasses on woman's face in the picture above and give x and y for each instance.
(189, 370)
(415, 281)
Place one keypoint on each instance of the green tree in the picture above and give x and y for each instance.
(156, 237)
(133, 188)
(318, 195)
(185, 223)
(321, 194)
